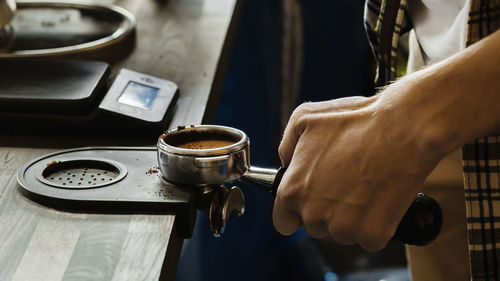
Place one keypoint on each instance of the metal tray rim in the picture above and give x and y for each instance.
(127, 27)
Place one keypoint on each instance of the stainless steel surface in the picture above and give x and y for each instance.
(263, 177)
(5, 36)
(203, 167)
(224, 204)
(7, 11)
(216, 224)
(212, 161)
(197, 171)
(20, 22)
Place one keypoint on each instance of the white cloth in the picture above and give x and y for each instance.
(439, 30)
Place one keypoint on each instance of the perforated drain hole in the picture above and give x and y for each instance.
(82, 173)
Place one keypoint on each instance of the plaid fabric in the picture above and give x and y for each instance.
(384, 22)
(481, 163)
(482, 194)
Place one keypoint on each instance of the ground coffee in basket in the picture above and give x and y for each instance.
(206, 144)
(191, 139)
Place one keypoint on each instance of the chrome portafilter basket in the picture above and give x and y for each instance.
(214, 164)
(217, 155)
(205, 157)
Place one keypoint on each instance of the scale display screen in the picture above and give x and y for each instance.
(138, 95)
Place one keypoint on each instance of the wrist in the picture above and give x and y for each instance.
(450, 103)
(411, 107)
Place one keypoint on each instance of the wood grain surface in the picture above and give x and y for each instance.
(179, 40)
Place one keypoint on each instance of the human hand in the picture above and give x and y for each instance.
(352, 171)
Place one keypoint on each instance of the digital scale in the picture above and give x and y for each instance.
(73, 97)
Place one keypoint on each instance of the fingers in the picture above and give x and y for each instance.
(337, 220)
(285, 219)
(315, 221)
(293, 131)
(315, 192)
(301, 115)
(388, 215)
(342, 227)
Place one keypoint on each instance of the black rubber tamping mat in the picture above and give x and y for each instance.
(106, 180)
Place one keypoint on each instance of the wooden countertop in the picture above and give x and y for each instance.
(180, 40)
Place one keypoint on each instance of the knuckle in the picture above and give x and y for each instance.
(291, 188)
(341, 232)
(285, 220)
(296, 126)
(312, 217)
(300, 115)
(288, 193)
(282, 151)
(373, 239)
(315, 231)
(303, 108)
(314, 223)
(372, 244)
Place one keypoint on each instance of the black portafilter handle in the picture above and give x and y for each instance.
(420, 225)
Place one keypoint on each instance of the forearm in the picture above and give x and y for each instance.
(451, 103)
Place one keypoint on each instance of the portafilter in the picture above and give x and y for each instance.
(202, 157)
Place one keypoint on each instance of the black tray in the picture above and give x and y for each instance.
(106, 180)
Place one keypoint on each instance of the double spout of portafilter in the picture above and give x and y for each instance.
(221, 202)
(7, 12)
(206, 157)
